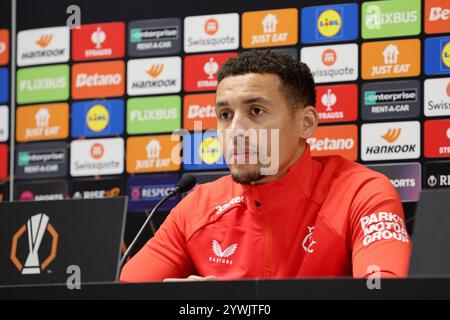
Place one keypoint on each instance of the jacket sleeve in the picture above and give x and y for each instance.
(164, 256)
(379, 239)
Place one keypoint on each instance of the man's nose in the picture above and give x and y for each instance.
(239, 122)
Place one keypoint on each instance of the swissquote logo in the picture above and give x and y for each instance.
(42, 46)
(222, 255)
(35, 227)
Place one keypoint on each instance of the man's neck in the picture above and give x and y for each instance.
(282, 171)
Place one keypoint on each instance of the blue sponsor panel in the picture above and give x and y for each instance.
(144, 192)
(4, 85)
(202, 151)
(330, 23)
(97, 118)
(437, 56)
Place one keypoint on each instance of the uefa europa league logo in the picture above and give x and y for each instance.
(36, 227)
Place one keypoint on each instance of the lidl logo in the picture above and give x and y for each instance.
(202, 151)
(381, 19)
(43, 46)
(154, 76)
(200, 71)
(4, 156)
(437, 138)
(4, 85)
(43, 84)
(332, 63)
(270, 28)
(437, 16)
(97, 118)
(333, 23)
(98, 41)
(153, 115)
(211, 32)
(390, 141)
(154, 37)
(157, 153)
(146, 191)
(42, 122)
(200, 108)
(337, 103)
(390, 59)
(437, 56)
(4, 46)
(96, 157)
(390, 100)
(4, 123)
(437, 97)
(335, 140)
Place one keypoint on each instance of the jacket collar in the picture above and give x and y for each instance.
(296, 185)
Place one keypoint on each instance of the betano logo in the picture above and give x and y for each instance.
(199, 107)
(269, 28)
(437, 16)
(392, 135)
(329, 23)
(335, 140)
(98, 79)
(36, 227)
(42, 122)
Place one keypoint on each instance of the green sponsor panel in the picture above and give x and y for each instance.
(381, 19)
(43, 84)
(153, 114)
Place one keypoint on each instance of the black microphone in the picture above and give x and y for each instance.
(186, 183)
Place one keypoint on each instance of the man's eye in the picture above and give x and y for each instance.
(224, 115)
(257, 111)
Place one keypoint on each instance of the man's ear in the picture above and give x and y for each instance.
(308, 121)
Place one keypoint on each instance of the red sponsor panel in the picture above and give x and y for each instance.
(437, 138)
(200, 71)
(199, 107)
(98, 41)
(337, 103)
(3, 161)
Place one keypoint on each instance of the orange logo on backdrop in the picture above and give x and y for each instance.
(269, 28)
(152, 154)
(98, 79)
(44, 40)
(199, 107)
(437, 16)
(335, 140)
(390, 59)
(4, 47)
(155, 70)
(42, 122)
(392, 135)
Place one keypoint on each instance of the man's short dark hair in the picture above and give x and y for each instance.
(296, 79)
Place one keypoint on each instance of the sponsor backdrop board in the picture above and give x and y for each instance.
(113, 91)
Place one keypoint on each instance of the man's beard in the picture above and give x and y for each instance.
(247, 177)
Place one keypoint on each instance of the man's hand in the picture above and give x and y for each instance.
(190, 278)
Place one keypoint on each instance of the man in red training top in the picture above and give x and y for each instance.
(311, 217)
